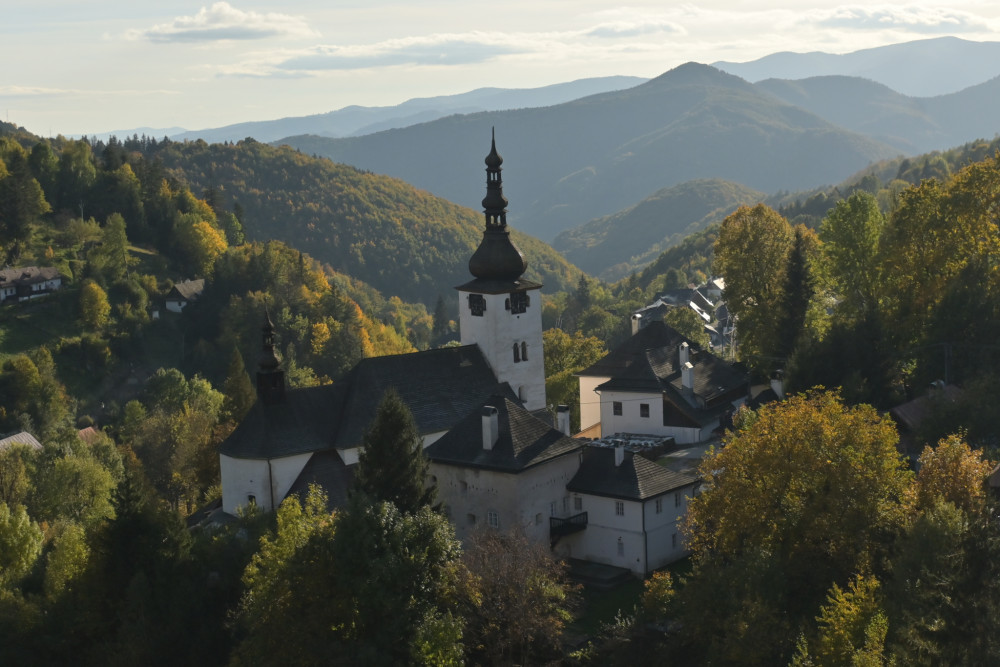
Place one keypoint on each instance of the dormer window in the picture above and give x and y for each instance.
(477, 304)
(519, 302)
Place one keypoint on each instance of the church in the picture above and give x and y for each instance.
(496, 457)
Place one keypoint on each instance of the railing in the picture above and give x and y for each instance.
(562, 527)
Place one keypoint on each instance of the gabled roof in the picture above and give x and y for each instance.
(656, 334)
(27, 275)
(439, 386)
(327, 470)
(637, 478)
(22, 438)
(188, 290)
(523, 441)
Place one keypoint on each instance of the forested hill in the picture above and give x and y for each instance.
(613, 246)
(569, 163)
(401, 240)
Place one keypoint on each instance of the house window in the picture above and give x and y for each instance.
(463, 487)
(553, 508)
(673, 540)
(470, 519)
(644, 410)
(620, 508)
(577, 503)
(477, 304)
(616, 408)
(524, 351)
(493, 519)
(251, 499)
(518, 303)
(565, 504)
(538, 519)
(677, 499)
(517, 353)
(659, 505)
(621, 547)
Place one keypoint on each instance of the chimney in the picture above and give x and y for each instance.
(491, 427)
(778, 384)
(684, 351)
(562, 419)
(687, 376)
(636, 319)
(619, 455)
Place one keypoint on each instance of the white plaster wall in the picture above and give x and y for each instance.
(660, 528)
(599, 542)
(175, 306)
(350, 456)
(497, 331)
(590, 402)
(242, 478)
(630, 421)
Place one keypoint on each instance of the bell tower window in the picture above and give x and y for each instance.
(519, 302)
(477, 304)
(517, 353)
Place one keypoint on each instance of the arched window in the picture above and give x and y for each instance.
(524, 351)
(517, 353)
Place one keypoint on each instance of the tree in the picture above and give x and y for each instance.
(566, 355)
(800, 285)
(21, 202)
(200, 243)
(113, 253)
(392, 466)
(751, 253)
(852, 628)
(851, 234)
(95, 310)
(14, 482)
(953, 473)
(20, 544)
(75, 488)
(807, 494)
(67, 560)
(515, 599)
(688, 324)
(238, 389)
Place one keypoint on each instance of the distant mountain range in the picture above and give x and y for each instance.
(613, 246)
(356, 120)
(590, 157)
(921, 68)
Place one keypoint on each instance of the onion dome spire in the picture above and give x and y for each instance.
(268, 360)
(270, 376)
(496, 258)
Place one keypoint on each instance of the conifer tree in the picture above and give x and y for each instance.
(238, 389)
(392, 466)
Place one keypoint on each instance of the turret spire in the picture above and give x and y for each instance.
(270, 376)
(497, 258)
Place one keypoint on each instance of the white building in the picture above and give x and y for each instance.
(29, 282)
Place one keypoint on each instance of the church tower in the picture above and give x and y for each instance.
(270, 377)
(499, 310)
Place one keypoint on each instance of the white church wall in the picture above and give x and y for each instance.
(590, 401)
(258, 478)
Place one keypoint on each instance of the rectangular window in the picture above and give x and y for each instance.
(565, 504)
(577, 503)
(673, 540)
(471, 519)
(621, 547)
(463, 487)
(493, 519)
(477, 304)
(518, 303)
(553, 508)
(619, 508)
(677, 499)
(538, 519)
(616, 407)
(659, 505)
(644, 410)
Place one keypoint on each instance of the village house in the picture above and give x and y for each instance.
(29, 282)
(183, 293)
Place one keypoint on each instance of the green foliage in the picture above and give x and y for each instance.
(239, 392)
(566, 355)
(20, 544)
(688, 324)
(851, 235)
(67, 560)
(72, 487)
(392, 466)
(95, 310)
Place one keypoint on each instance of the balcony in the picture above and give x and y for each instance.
(559, 528)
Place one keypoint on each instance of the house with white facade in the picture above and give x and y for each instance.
(656, 382)
(29, 282)
(183, 293)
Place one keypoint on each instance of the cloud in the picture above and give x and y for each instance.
(223, 22)
(622, 29)
(38, 91)
(913, 19)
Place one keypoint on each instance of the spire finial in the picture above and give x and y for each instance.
(497, 258)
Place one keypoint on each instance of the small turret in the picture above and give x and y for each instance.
(496, 258)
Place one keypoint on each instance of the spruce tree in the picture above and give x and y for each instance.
(238, 388)
(392, 466)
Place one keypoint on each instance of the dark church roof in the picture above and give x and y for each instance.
(637, 478)
(439, 386)
(620, 359)
(327, 470)
(523, 440)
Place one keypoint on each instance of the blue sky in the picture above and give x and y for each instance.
(73, 66)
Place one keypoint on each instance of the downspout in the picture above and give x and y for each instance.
(645, 544)
(270, 484)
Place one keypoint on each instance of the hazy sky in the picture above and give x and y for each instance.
(73, 66)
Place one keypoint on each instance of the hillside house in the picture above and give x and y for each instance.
(183, 293)
(29, 282)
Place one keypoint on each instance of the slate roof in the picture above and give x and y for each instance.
(637, 478)
(439, 386)
(656, 334)
(523, 441)
(483, 286)
(303, 422)
(327, 470)
(187, 290)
